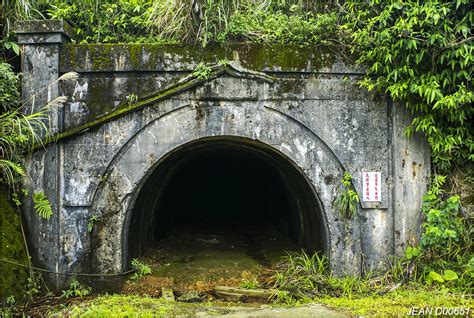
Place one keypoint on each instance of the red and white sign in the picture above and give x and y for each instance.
(372, 186)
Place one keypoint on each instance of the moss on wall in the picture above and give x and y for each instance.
(181, 57)
(12, 278)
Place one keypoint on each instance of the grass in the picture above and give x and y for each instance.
(397, 303)
(120, 306)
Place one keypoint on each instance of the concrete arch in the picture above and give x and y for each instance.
(167, 134)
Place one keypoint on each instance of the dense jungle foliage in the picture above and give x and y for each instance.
(420, 53)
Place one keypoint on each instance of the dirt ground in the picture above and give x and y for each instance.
(197, 261)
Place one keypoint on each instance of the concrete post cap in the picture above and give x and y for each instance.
(43, 31)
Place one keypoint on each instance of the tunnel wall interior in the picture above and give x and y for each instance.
(312, 111)
(226, 184)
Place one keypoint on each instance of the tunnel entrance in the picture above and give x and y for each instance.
(228, 196)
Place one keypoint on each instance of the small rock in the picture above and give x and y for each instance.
(190, 297)
(167, 294)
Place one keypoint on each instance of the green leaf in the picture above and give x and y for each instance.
(436, 277)
(412, 252)
(15, 48)
(42, 205)
(450, 275)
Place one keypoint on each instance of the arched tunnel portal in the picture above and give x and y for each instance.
(223, 185)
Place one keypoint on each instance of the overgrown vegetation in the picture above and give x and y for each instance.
(347, 200)
(20, 133)
(140, 269)
(444, 255)
(203, 22)
(12, 246)
(420, 53)
(76, 289)
(438, 271)
(121, 306)
(399, 303)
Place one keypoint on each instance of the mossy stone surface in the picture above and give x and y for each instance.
(183, 57)
(13, 278)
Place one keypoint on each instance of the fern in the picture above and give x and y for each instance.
(42, 205)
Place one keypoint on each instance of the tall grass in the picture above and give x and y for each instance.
(13, 10)
(21, 132)
(208, 21)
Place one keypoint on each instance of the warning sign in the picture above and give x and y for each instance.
(372, 186)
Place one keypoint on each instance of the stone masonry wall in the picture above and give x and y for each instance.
(303, 102)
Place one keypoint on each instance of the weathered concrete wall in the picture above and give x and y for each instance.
(312, 113)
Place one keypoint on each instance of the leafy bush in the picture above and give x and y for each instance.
(289, 21)
(282, 27)
(10, 12)
(102, 21)
(445, 251)
(20, 133)
(444, 227)
(421, 53)
(9, 88)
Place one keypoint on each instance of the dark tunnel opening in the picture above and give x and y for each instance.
(225, 186)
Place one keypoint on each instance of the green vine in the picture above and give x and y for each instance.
(421, 53)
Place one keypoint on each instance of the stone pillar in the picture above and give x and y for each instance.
(41, 42)
(411, 176)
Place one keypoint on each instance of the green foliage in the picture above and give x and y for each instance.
(76, 289)
(249, 282)
(443, 227)
(19, 132)
(42, 206)
(131, 98)
(445, 251)
(289, 21)
(421, 54)
(9, 88)
(91, 222)
(202, 71)
(412, 252)
(397, 303)
(213, 21)
(11, 300)
(140, 269)
(102, 21)
(263, 25)
(446, 232)
(303, 275)
(10, 12)
(33, 287)
(347, 199)
(12, 247)
(123, 306)
(448, 275)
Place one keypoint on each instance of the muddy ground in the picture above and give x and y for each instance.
(197, 261)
